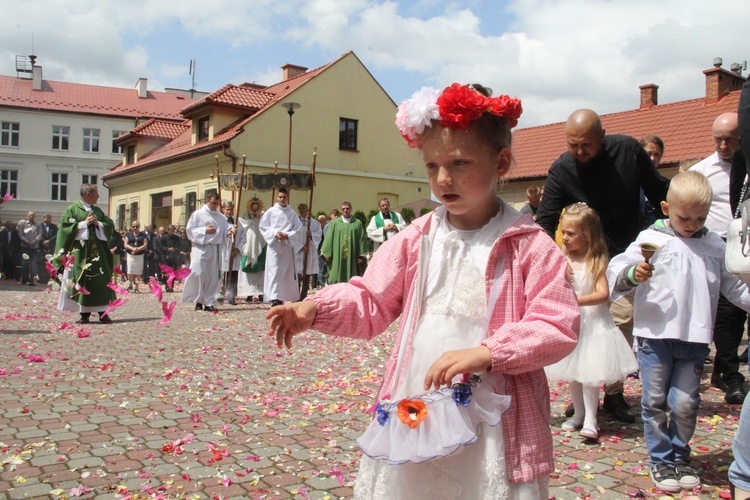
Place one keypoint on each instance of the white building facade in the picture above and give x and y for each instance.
(56, 136)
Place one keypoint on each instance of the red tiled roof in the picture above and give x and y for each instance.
(233, 96)
(90, 99)
(684, 126)
(240, 97)
(157, 129)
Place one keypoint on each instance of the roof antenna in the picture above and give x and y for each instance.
(32, 57)
(192, 72)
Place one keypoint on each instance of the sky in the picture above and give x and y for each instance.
(555, 55)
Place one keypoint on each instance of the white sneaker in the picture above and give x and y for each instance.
(686, 476)
(664, 477)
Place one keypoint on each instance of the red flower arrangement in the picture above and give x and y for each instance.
(412, 411)
(456, 107)
(460, 105)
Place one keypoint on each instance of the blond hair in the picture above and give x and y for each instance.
(690, 188)
(596, 254)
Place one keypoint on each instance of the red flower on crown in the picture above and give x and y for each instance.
(460, 105)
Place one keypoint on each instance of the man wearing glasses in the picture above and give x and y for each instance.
(208, 230)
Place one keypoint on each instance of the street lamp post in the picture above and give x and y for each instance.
(290, 107)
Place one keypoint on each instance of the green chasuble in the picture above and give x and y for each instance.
(93, 264)
(342, 244)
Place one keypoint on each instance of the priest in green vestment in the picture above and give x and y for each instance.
(84, 235)
(344, 246)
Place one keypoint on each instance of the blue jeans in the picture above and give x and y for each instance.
(739, 471)
(671, 376)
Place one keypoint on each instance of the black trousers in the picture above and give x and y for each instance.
(728, 331)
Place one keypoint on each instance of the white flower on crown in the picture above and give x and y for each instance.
(416, 113)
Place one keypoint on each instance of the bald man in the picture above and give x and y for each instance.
(607, 173)
(726, 171)
(604, 171)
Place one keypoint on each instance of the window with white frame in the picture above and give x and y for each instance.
(91, 140)
(9, 182)
(115, 148)
(59, 186)
(89, 179)
(10, 133)
(60, 137)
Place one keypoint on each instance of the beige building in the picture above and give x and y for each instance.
(343, 114)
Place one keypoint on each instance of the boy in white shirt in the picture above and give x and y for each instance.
(672, 323)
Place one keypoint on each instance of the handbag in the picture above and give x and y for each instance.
(737, 256)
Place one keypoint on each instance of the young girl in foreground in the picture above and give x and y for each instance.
(480, 290)
(602, 355)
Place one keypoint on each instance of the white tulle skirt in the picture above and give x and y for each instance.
(602, 355)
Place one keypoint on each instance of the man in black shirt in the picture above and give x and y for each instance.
(607, 173)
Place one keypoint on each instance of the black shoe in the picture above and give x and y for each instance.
(232, 302)
(276, 302)
(105, 319)
(569, 411)
(735, 393)
(718, 382)
(616, 406)
(198, 307)
(84, 319)
(210, 309)
(743, 357)
(248, 299)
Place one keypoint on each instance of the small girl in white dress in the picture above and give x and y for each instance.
(602, 355)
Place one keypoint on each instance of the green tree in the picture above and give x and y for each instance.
(408, 214)
(424, 210)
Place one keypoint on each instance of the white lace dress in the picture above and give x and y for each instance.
(602, 355)
(459, 453)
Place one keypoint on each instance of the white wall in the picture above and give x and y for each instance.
(35, 159)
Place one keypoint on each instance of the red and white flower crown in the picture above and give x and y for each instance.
(455, 107)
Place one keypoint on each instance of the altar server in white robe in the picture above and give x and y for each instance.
(283, 233)
(208, 230)
(308, 273)
(252, 252)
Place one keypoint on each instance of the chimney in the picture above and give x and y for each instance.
(290, 71)
(36, 77)
(649, 96)
(141, 87)
(720, 82)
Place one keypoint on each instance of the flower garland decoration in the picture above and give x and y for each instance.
(455, 107)
(413, 411)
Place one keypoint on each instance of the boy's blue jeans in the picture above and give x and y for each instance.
(671, 375)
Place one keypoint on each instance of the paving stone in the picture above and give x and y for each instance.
(278, 417)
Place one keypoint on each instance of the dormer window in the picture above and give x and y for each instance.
(203, 129)
(130, 157)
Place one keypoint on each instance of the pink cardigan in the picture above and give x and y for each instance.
(534, 323)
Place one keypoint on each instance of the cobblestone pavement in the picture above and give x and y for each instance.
(207, 407)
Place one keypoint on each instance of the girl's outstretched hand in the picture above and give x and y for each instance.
(287, 320)
(452, 363)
